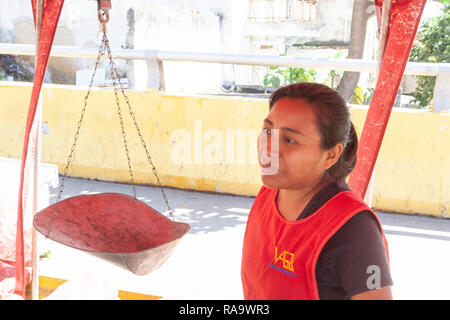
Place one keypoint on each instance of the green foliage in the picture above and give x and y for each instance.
(361, 96)
(333, 74)
(368, 95)
(45, 255)
(2, 73)
(278, 75)
(433, 47)
(358, 96)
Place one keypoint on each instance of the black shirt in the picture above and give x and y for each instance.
(344, 265)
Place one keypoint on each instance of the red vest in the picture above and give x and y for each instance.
(279, 256)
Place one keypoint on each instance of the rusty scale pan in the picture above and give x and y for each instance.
(115, 227)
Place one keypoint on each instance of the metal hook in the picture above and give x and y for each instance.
(103, 7)
(103, 16)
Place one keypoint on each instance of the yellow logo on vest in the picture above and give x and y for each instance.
(287, 259)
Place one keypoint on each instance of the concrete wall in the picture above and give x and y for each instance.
(194, 25)
(337, 17)
(216, 138)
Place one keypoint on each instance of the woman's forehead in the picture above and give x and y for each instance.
(294, 113)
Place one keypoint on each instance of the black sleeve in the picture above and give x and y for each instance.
(352, 258)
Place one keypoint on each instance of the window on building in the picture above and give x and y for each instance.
(282, 10)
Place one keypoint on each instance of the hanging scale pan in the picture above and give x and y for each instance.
(115, 227)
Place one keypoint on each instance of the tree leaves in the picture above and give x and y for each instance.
(433, 47)
(278, 75)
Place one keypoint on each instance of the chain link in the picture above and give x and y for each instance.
(72, 149)
(119, 112)
(115, 75)
(117, 84)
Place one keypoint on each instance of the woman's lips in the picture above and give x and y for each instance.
(265, 165)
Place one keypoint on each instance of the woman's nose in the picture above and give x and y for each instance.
(264, 143)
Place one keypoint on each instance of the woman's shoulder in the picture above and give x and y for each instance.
(337, 190)
(264, 192)
(343, 196)
(264, 198)
(348, 255)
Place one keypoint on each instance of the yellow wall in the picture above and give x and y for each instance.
(412, 174)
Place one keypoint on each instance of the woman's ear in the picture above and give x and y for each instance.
(332, 155)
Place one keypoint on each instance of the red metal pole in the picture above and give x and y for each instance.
(404, 21)
(50, 17)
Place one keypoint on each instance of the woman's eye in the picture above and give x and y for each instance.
(289, 140)
(267, 131)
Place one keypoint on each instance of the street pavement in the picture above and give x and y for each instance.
(206, 263)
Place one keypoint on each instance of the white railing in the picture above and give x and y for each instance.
(155, 60)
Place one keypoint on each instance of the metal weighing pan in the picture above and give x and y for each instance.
(115, 227)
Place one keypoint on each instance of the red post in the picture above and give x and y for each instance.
(50, 17)
(405, 18)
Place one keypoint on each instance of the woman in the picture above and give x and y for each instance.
(308, 236)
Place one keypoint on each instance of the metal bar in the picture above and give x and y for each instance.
(441, 94)
(401, 35)
(418, 68)
(49, 20)
(384, 30)
(36, 162)
(162, 81)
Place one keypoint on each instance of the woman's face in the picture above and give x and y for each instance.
(301, 161)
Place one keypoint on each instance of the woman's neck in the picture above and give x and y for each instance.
(291, 202)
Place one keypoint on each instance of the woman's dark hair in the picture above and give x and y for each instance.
(333, 121)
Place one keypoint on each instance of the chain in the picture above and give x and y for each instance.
(72, 149)
(115, 76)
(117, 84)
(119, 112)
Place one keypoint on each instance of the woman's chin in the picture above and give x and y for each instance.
(269, 181)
